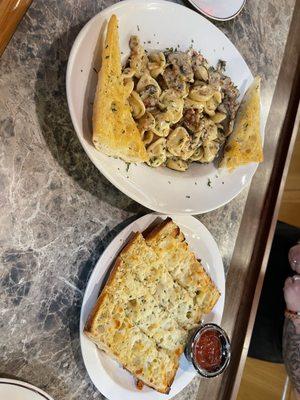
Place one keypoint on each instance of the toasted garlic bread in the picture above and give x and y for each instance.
(245, 145)
(149, 270)
(110, 329)
(142, 310)
(143, 315)
(171, 248)
(114, 130)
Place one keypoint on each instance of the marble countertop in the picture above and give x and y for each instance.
(58, 213)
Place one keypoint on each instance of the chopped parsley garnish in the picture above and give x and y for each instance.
(208, 182)
(188, 197)
(148, 41)
(127, 166)
(138, 28)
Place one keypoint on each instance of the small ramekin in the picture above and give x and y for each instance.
(226, 352)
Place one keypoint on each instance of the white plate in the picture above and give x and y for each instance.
(220, 10)
(110, 379)
(11, 389)
(165, 24)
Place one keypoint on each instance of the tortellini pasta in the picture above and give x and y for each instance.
(172, 103)
(177, 164)
(184, 108)
(138, 57)
(162, 125)
(157, 63)
(157, 152)
(179, 143)
(136, 104)
(147, 137)
(146, 122)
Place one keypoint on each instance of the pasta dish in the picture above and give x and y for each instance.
(183, 107)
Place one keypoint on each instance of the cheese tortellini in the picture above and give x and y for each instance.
(184, 108)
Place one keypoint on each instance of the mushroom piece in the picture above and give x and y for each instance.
(192, 119)
(182, 64)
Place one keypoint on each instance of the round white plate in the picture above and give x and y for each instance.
(220, 10)
(112, 380)
(11, 389)
(159, 24)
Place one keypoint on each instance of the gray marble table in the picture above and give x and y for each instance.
(58, 213)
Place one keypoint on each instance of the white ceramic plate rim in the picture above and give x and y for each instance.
(91, 356)
(211, 16)
(196, 207)
(25, 385)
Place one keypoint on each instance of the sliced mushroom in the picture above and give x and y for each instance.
(173, 80)
(182, 64)
(192, 119)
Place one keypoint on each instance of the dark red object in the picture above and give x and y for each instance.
(208, 350)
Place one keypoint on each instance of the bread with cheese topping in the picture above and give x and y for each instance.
(156, 292)
(169, 244)
(244, 144)
(114, 130)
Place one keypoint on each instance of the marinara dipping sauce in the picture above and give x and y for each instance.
(209, 350)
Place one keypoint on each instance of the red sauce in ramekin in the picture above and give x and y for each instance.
(208, 350)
